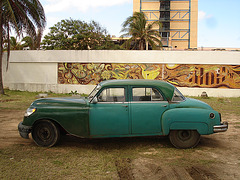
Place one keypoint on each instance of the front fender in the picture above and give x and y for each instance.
(75, 120)
(190, 119)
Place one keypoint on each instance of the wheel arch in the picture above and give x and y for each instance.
(55, 122)
(181, 125)
(187, 119)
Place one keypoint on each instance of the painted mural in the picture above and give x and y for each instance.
(182, 75)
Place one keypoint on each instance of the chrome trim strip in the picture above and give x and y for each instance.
(221, 128)
(134, 102)
(143, 102)
(112, 102)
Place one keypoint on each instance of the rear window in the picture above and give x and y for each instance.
(177, 96)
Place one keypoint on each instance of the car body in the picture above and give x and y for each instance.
(123, 108)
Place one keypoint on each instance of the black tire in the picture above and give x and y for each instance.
(45, 133)
(184, 139)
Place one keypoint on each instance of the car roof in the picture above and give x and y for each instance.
(165, 87)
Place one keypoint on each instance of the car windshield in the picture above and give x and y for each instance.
(177, 96)
(94, 92)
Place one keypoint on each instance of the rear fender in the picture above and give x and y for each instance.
(189, 119)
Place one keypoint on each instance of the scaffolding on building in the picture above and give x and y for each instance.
(167, 15)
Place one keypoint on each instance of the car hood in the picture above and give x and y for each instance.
(69, 102)
(191, 103)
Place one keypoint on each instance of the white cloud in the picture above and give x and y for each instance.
(80, 5)
(203, 15)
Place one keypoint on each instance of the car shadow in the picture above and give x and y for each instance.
(114, 143)
(211, 142)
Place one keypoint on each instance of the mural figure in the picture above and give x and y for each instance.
(183, 75)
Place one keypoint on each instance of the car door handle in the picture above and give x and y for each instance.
(124, 105)
(164, 105)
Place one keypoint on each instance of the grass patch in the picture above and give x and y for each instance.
(21, 100)
(90, 159)
(55, 163)
(223, 105)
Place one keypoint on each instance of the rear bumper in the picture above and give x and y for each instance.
(24, 130)
(221, 128)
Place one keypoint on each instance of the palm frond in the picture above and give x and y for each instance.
(141, 31)
(20, 16)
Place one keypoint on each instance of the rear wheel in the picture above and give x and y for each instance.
(184, 138)
(45, 133)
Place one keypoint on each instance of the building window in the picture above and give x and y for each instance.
(165, 14)
(165, 25)
(150, 0)
(165, 34)
(165, 5)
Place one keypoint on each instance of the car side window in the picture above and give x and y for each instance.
(177, 96)
(112, 95)
(146, 94)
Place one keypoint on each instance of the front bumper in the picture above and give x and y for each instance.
(24, 130)
(221, 128)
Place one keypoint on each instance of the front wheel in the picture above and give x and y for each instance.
(45, 133)
(184, 138)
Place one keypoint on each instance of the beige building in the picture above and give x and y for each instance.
(179, 20)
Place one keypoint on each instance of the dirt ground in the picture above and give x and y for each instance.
(223, 148)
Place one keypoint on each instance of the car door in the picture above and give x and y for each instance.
(147, 106)
(110, 115)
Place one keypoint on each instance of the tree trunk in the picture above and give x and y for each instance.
(146, 45)
(1, 73)
(1, 51)
(141, 45)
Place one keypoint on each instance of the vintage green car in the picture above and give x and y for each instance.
(123, 108)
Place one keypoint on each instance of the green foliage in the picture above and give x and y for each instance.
(72, 34)
(32, 42)
(141, 32)
(29, 42)
(14, 44)
(74, 93)
(19, 16)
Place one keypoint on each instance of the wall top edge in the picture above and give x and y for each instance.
(129, 62)
(125, 56)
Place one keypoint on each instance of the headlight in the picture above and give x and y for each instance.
(30, 111)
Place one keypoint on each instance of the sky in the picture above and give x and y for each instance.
(218, 20)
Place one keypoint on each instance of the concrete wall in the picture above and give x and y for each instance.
(38, 70)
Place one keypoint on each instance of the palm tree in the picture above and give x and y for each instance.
(141, 32)
(14, 44)
(21, 16)
(28, 42)
(32, 42)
